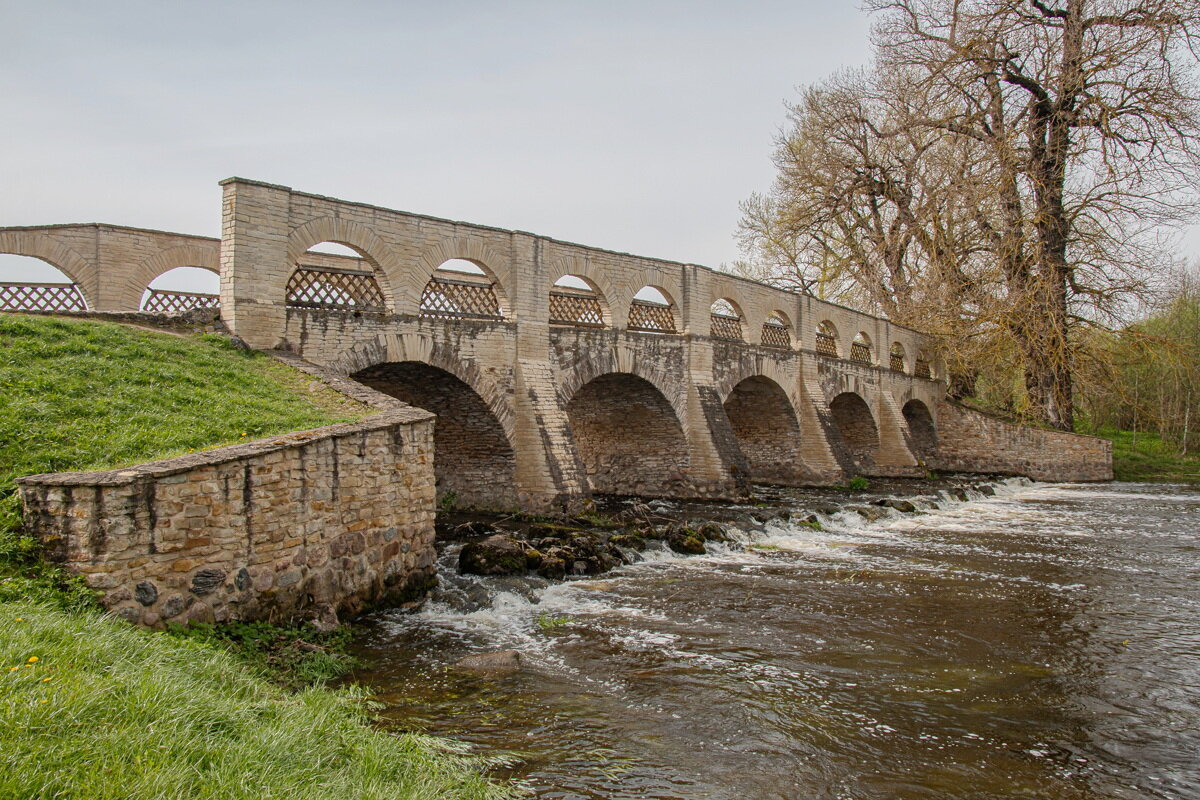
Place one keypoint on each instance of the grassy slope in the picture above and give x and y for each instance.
(81, 395)
(1151, 459)
(134, 714)
(112, 712)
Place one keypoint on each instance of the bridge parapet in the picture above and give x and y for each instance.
(556, 370)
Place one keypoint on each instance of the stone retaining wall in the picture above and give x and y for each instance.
(302, 525)
(971, 441)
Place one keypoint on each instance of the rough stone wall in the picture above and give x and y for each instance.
(970, 441)
(305, 524)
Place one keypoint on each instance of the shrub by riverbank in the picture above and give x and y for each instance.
(127, 713)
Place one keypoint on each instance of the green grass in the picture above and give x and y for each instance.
(1151, 459)
(109, 711)
(127, 713)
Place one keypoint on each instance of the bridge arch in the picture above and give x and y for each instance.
(767, 429)
(777, 331)
(45, 248)
(922, 432)
(388, 273)
(623, 360)
(827, 339)
(422, 348)
(726, 319)
(576, 299)
(897, 357)
(653, 309)
(188, 255)
(474, 460)
(629, 436)
(861, 349)
(493, 263)
(857, 434)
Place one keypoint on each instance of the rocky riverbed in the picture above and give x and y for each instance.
(618, 530)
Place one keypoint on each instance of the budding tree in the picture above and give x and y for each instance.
(1017, 158)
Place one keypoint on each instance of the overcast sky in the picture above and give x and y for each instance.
(634, 126)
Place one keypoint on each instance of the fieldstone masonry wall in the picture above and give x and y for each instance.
(307, 524)
(970, 441)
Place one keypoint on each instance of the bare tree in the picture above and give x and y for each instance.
(1015, 157)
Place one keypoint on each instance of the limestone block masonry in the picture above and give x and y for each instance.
(307, 524)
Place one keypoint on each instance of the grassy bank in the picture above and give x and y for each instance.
(1147, 458)
(93, 708)
(110, 711)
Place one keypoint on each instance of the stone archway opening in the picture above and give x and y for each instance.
(29, 283)
(577, 302)
(767, 430)
(629, 438)
(182, 288)
(461, 289)
(335, 276)
(857, 430)
(474, 463)
(922, 434)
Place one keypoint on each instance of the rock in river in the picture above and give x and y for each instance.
(503, 661)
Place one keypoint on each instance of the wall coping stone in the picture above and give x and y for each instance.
(179, 464)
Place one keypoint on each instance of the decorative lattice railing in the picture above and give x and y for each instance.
(826, 344)
(725, 327)
(330, 288)
(896, 362)
(41, 297)
(860, 352)
(775, 335)
(170, 301)
(921, 369)
(576, 308)
(651, 317)
(445, 298)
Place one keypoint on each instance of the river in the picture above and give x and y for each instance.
(1043, 642)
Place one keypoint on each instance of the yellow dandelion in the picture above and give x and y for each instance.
(32, 659)
(13, 669)
(45, 679)
(20, 619)
(43, 701)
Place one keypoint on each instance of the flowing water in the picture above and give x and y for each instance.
(1044, 642)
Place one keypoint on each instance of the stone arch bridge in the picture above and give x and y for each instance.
(558, 370)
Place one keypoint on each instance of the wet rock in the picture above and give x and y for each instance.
(686, 541)
(896, 503)
(869, 513)
(498, 663)
(553, 567)
(500, 554)
(629, 541)
(987, 490)
(828, 509)
(712, 532)
(959, 494)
